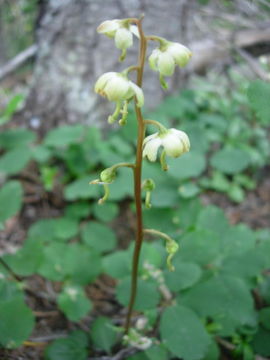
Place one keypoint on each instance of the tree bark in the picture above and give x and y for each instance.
(71, 56)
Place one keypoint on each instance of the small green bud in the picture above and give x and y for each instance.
(108, 175)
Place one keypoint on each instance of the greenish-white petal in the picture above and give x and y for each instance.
(151, 148)
(172, 145)
(153, 59)
(123, 38)
(108, 27)
(116, 88)
(165, 64)
(102, 80)
(138, 93)
(180, 53)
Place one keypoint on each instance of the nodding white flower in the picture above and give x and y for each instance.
(174, 142)
(167, 56)
(117, 87)
(122, 32)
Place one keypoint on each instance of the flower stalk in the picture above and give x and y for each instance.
(117, 87)
(137, 181)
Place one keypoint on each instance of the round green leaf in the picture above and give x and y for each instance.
(264, 317)
(74, 303)
(117, 264)
(230, 161)
(102, 333)
(73, 347)
(10, 199)
(64, 135)
(190, 165)
(105, 212)
(183, 333)
(184, 276)
(147, 297)
(16, 322)
(81, 189)
(14, 160)
(222, 297)
(100, 237)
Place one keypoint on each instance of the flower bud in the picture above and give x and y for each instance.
(108, 175)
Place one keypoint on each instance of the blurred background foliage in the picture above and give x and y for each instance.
(64, 255)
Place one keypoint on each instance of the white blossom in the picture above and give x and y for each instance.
(174, 142)
(167, 56)
(121, 30)
(117, 87)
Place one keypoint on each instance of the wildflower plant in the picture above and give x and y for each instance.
(118, 88)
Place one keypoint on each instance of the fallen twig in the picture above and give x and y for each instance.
(253, 64)
(17, 61)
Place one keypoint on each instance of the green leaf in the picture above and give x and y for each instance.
(188, 213)
(10, 199)
(10, 109)
(48, 230)
(23, 262)
(183, 333)
(230, 160)
(9, 289)
(105, 212)
(161, 219)
(164, 196)
(184, 276)
(236, 193)
(258, 95)
(78, 210)
(64, 136)
(200, 246)
(16, 323)
(100, 237)
(261, 342)
(212, 218)
(237, 240)
(65, 228)
(74, 303)
(14, 160)
(189, 165)
(147, 297)
(189, 190)
(117, 264)
(264, 317)
(102, 334)
(75, 262)
(73, 347)
(213, 352)
(156, 352)
(221, 297)
(81, 189)
(16, 138)
(40, 153)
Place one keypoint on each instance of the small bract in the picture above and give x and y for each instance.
(175, 143)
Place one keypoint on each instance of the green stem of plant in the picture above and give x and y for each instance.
(161, 127)
(137, 182)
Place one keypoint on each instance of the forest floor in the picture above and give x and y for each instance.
(41, 294)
